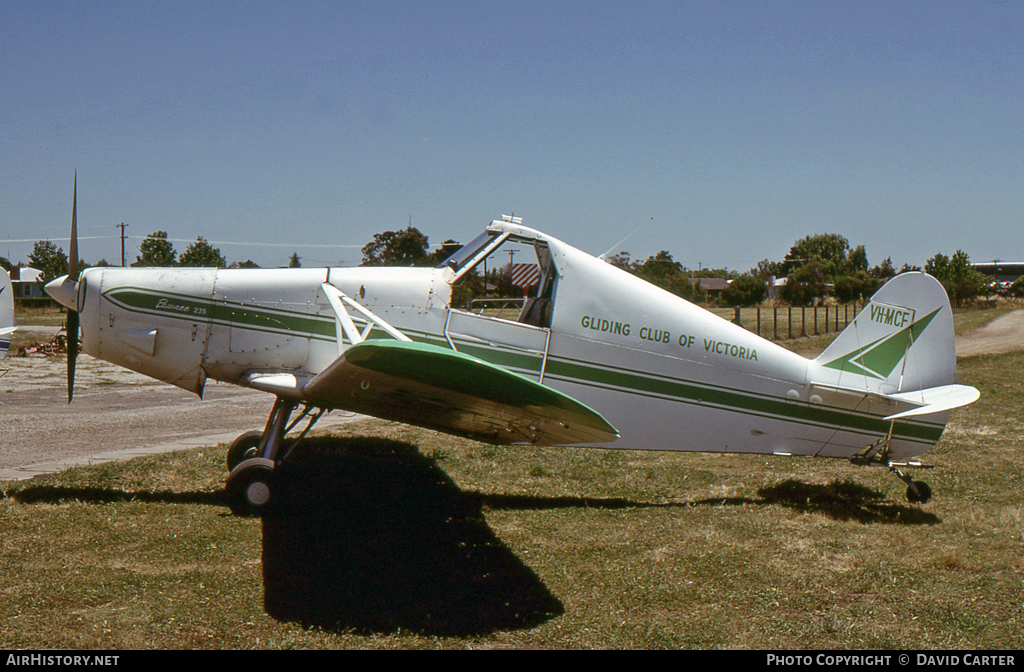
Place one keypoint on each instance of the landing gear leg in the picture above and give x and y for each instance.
(253, 456)
(249, 483)
(877, 454)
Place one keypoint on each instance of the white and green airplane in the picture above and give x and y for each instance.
(597, 358)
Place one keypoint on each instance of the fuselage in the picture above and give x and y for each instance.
(666, 373)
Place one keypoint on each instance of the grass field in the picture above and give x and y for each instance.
(392, 537)
(39, 316)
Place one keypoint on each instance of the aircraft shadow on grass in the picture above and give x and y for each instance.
(839, 500)
(372, 536)
(369, 535)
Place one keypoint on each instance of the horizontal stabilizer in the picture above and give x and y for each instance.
(437, 388)
(935, 399)
(924, 402)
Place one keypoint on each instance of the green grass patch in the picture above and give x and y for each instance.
(41, 315)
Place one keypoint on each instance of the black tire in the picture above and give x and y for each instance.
(243, 448)
(249, 487)
(923, 494)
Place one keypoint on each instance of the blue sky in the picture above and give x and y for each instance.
(733, 127)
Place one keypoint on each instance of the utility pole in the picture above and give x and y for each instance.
(122, 225)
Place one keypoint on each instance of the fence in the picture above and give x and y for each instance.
(781, 323)
(787, 322)
(974, 304)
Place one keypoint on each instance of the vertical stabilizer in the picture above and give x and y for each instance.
(6, 312)
(901, 341)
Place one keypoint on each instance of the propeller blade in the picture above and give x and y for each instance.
(73, 252)
(73, 273)
(72, 351)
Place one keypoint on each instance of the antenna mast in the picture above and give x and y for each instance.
(604, 257)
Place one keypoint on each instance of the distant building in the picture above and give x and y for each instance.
(24, 282)
(713, 286)
(775, 286)
(1000, 271)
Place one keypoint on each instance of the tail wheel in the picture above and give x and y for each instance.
(919, 493)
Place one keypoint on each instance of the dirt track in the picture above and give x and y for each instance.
(1005, 334)
(117, 413)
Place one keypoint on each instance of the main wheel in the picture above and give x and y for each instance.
(249, 487)
(923, 494)
(243, 448)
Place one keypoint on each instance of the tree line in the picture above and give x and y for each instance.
(816, 268)
(155, 251)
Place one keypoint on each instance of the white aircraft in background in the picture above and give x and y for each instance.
(598, 357)
(6, 312)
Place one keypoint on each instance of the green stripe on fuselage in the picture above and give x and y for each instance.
(237, 315)
(728, 399)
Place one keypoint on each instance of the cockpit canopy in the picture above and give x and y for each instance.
(535, 274)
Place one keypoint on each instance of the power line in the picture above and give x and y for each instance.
(36, 240)
(251, 243)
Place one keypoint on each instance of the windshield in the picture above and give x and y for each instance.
(468, 251)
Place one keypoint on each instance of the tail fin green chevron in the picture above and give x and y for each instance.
(901, 341)
(880, 358)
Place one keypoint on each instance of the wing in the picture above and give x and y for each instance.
(442, 389)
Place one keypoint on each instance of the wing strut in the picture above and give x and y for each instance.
(344, 321)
